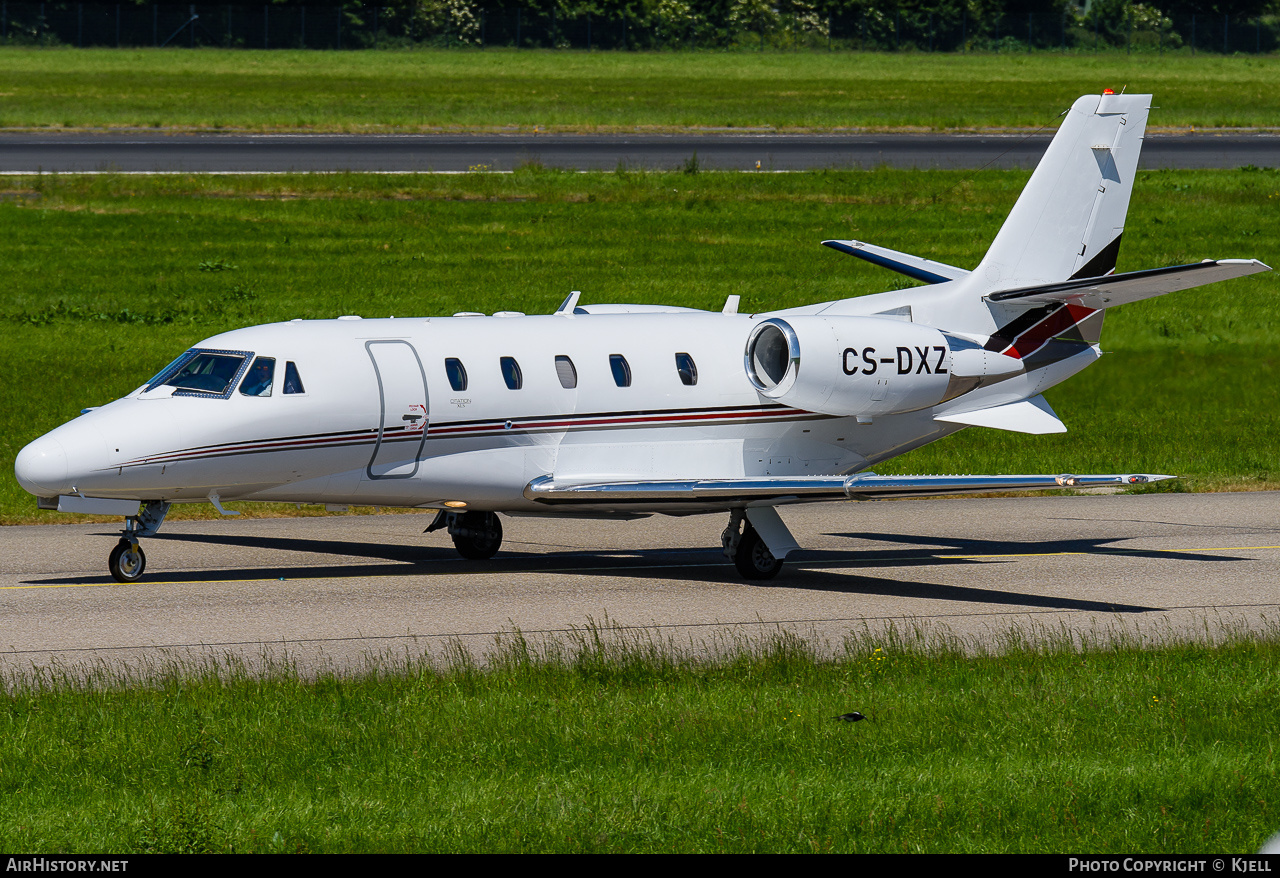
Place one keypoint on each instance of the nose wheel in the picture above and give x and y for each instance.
(127, 561)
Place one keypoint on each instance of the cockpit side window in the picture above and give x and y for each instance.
(258, 381)
(292, 380)
(206, 373)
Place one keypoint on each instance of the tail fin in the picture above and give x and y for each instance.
(1069, 219)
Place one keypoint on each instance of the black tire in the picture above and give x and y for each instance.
(753, 558)
(479, 535)
(126, 564)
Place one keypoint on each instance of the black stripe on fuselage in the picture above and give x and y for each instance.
(444, 430)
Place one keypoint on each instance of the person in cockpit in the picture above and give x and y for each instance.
(258, 381)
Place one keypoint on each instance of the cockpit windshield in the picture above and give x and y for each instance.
(203, 373)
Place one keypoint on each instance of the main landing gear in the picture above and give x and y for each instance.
(476, 535)
(127, 561)
(757, 555)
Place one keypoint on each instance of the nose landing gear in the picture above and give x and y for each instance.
(127, 561)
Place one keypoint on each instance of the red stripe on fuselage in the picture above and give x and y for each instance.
(463, 429)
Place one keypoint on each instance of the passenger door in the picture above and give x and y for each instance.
(402, 427)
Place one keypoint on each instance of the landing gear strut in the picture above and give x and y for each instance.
(476, 535)
(127, 561)
(743, 544)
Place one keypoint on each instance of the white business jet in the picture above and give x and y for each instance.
(621, 411)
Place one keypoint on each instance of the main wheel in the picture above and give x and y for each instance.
(477, 535)
(127, 563)
(753, 558)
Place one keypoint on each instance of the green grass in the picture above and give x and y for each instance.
(499, 90)
(108, 278)
(611, 743)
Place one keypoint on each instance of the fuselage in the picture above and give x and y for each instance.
(426, 411)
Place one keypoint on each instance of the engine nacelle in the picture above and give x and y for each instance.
(850, 365)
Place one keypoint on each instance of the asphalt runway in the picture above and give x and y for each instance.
(236, 153)
(329, 593)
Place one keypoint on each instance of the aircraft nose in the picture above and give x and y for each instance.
(42, 468)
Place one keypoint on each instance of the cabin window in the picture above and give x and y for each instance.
(212, 373)
(457, 373)
(292, 380)
(686, 369)
(511, 373)
(258, 381)
(621, 371)
(566, 373)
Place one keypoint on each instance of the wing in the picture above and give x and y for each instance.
(773, 490)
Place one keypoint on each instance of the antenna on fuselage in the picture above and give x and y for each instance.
(570, 302)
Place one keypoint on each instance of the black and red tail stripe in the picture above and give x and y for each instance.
(1032, 330)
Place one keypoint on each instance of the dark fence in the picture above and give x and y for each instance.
(885, 28)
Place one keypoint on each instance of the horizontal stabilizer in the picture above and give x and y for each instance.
(720, 493)
(1121, 289)
(904, 263)
(1026, 416)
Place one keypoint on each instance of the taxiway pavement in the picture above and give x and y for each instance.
(417, 153)
(332, 592)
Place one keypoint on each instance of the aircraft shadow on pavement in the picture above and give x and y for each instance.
(804, 570)
(1010, 548)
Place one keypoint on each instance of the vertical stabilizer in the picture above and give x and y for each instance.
(1068, 221)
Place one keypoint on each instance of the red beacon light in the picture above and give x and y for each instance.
(1107, 91)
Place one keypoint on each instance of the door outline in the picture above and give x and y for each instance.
(409, 406)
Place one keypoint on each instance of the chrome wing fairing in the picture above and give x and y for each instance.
(769, 490)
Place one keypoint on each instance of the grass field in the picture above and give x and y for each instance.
(108, 278)
(620, 744)
(500, 90)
